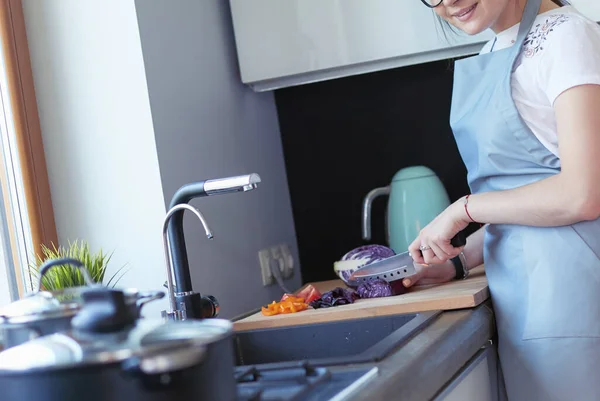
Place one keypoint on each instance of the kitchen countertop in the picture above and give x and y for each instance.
(424, 365)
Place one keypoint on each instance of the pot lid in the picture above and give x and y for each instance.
(41, 305)
(152, 346)
(37, 306)
(103, 332)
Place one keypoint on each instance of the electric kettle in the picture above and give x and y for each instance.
(416, 197)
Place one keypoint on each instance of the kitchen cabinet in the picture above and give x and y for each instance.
(294, 42)
(476, 381)
(291, 42)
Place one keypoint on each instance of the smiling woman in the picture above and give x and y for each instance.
(465, 10)
(524, 114)
(26, 214)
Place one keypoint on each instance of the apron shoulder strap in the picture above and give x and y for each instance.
(529, 14)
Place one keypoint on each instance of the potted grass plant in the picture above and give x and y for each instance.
(65, 276)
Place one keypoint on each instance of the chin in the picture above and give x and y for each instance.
(472, 29)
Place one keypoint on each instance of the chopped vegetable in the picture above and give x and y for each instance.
(398, 288)
(380, 288)
(309, 293)
(290, 305)
(292, 298)
(359, 257)
(335, 297)
(375, 289)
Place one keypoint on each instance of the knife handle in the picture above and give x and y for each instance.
(459, 240)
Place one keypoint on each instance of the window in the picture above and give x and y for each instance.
(26, 216)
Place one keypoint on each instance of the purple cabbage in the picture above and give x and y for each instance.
(375, 289)
(335, 297)
(370, 253)
(346, 275)
(359, 257)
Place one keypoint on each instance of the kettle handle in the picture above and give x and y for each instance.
(366, 212)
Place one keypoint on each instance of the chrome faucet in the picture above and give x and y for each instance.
(184, 302)
(178, 313)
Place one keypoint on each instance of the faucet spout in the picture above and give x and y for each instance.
(183, 195)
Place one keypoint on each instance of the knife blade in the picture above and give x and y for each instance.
(390, 269)
(395, 267)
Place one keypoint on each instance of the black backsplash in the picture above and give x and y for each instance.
(345, 137)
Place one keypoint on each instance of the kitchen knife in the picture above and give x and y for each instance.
(395, 267)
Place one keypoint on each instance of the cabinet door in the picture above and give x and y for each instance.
(288, 38)
(476, 381)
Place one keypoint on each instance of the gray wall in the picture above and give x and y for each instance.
(207, 125)
(97, 131)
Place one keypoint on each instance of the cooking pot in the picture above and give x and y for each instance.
(46, 312)
(108, 355)
(416, 197)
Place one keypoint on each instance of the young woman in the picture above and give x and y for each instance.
(526, 117)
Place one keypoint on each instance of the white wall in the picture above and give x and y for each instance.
(98, 133)
(207, 124)
(104, 143)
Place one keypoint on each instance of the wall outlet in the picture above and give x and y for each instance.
(288, 262)
(279, 255)
(264, 256)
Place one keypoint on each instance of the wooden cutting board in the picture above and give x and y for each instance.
(453, 295)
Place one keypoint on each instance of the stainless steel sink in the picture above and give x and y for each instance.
(334, 343)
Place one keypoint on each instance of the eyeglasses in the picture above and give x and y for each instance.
(432, 3)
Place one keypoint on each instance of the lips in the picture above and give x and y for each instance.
(465, 13)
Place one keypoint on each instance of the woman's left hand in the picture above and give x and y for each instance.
(433, 246)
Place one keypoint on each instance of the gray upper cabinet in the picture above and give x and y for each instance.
(285, 43)
(291, 42)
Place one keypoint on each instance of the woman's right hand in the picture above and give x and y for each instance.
(431, 274)
(443, 272)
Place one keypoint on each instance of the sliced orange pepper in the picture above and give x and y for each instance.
(290, 305)
(292, 298)
(270, 309)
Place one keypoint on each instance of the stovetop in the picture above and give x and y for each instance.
(298, 383)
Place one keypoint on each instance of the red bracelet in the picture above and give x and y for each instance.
(467, 210)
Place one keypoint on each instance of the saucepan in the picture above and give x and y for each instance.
(46, 312)
(108, 354)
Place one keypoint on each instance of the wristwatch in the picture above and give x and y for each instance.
(460, 265)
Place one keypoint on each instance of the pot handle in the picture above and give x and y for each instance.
(148, 296)
(162, 361)
(65, 261)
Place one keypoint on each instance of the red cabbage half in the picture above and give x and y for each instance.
(377, 288)
(359, 257)
(370, 253)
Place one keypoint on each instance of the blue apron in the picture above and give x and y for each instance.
(544, 281)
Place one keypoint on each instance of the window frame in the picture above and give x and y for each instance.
(30, 147)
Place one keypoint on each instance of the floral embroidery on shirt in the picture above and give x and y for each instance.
(536, 38)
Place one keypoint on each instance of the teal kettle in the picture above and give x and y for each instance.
(416, 197)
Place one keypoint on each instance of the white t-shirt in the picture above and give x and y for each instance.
(561, 51)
